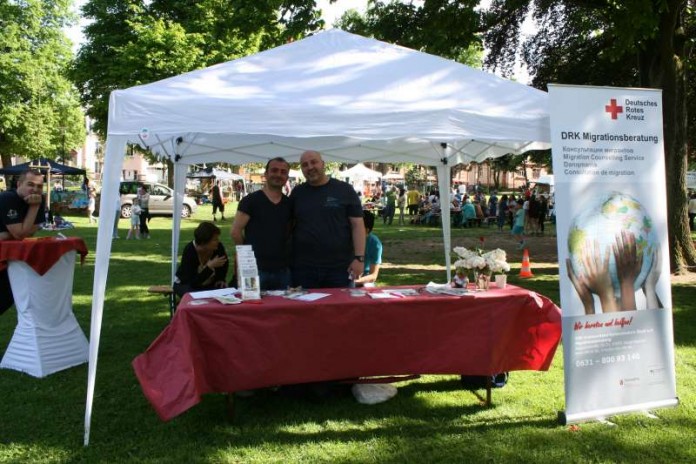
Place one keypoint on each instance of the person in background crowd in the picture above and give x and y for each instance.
(401, 204)
(204, 262)
(533, 215)
(329, 230)
(502, 212)
(117, 216)
(518, 228)
(373, 253)
(91, 200)
(543, 211)
(263, 221)
(512, 207)
(692, 211)
(218, 204)
(413, 201)
(390, 206)
(22, 210)
(144, 201)
(135, 219)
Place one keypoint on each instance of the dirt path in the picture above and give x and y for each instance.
(543, 251)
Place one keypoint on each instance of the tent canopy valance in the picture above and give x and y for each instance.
(218, 174)
(351, 98)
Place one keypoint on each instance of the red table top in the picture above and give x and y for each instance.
(40, 253)
(224, 348)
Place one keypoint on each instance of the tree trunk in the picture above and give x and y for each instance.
(662, 66)
(6, 163)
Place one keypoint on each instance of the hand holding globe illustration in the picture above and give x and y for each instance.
(613, 253)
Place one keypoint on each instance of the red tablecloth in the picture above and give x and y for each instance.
(218, 348)
(42, 253)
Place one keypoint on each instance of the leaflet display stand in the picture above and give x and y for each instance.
(249, 283)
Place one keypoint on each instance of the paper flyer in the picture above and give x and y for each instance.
(611, 219)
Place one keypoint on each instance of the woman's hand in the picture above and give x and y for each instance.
(216, 262)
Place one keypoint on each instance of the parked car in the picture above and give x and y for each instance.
(161, 199)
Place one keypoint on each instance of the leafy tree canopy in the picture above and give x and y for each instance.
(40, 111)
(646, 43)
(440, 27)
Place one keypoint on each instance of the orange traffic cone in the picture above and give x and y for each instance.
(525, 270)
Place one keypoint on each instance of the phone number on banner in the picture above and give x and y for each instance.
(619, 358)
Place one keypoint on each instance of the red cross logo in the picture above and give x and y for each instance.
(613, 108)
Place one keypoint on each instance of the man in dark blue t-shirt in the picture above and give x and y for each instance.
(263, 221)
(21, 212)
(329, 232)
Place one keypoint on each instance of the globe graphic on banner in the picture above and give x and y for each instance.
(602, 222)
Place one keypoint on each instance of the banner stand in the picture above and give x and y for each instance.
(613, 251)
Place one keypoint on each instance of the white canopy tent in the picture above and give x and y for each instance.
(352, 99)
(360, 173)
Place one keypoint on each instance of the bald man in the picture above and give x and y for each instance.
(329, 231)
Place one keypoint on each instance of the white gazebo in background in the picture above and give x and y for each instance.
(360, 173)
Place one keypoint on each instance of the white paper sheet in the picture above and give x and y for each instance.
(310, 296)
(229, 291)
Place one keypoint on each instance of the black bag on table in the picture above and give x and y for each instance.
(479, 382)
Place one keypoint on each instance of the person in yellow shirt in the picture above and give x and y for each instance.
(413, 200)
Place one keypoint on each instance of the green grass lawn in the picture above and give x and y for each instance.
(430, 420)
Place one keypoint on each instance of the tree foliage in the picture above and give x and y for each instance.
(440, 27)
(39, 108)
(646, 43)
(133, 42)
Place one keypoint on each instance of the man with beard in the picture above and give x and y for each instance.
(329, 231)
(21, 212)
(263, 221)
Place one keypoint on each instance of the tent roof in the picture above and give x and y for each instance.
(56, 168)
(349, 97)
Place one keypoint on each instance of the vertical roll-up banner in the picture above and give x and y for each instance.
(611, 219)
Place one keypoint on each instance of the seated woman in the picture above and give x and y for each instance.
(468, 214)
(373, 253)
(203, 263)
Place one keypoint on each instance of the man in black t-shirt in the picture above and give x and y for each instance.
(218, 203)
(21, 212)
(329, 232)
(263, 221)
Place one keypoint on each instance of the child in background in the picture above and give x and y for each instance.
(518, 227)
(373, 253)
(135, 220)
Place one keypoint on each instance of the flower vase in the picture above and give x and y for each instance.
(483, 280)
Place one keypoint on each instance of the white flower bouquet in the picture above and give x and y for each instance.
(478, 260)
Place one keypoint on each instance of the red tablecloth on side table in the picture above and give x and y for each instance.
(42, 253)
(224, 348)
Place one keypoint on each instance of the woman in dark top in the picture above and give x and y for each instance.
(203, 263)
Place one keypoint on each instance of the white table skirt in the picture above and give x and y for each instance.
(47, 338)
